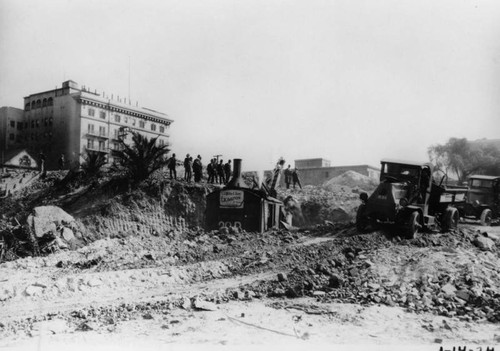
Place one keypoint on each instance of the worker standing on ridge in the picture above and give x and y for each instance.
(288, 177)
(220, 172)
(295, 176)
(187, 168)
(172, 163)
(197, 169)
(275, 177)
(227, 170)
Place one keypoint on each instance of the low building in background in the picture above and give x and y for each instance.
(72, 119)
(317, 171)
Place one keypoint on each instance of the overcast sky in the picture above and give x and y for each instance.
(350, 81)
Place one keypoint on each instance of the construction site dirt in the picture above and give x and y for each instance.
(138, 270)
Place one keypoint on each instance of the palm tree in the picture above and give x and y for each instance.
(141, 158)
(93, 161)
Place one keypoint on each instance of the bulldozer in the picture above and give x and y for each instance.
(409, 198)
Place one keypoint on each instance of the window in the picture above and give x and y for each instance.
(37, 123)
(116, 133)
(153, 127)
(12, 136)
(50, 102)
(44, 103)
(142, 124)
(90, 129)
(46, 122)
(125, 119)
(27, 107)
(12, 124)
(101, 145)
(102, 131)
(32, 124)
(50, 121)
(38, 103)
(132, 120)
(19, 125)
(116, 146)
(117, 118)
(162, 129)
(102, 115)
(91, 112)
(90, 144)
(25, 125)
(161, 142)
(481, 183)
(33, 105)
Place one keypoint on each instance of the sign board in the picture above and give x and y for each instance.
(231, 199)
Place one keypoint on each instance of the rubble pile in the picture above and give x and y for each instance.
(352, 180)
(318, 204)
(347, 270)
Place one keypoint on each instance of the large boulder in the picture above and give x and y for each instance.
(484, 243)
(45, 219)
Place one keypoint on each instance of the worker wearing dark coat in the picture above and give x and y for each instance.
(295, 176)
(227, 170)
(220, 172)
(197, 169)
(288, 177)
(172, 163)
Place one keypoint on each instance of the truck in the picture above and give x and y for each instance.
(409, 198)
(482, 201)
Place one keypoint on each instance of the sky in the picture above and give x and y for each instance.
(351, 81)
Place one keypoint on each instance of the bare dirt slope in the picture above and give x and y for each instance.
(322, 284)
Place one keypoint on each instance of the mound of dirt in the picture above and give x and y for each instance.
(351, 179)
(320, 204)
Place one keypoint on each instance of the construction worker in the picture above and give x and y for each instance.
(172, 163)
(220, 172)
(288, 177)
(227, 170)
(188, 162)
(61, 162)
(197, 169)
(295, 176)
(211, 171)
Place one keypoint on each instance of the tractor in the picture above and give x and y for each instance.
(409, 198)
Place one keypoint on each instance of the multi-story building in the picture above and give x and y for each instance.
(11, 127)
(70, 120)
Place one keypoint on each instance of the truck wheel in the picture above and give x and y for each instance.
(451, 218)
(486, 217)
(361, 219)
(413, 225)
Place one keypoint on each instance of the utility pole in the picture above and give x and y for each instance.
(217, 156)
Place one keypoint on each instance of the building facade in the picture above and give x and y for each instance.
(11, 128)
(70, 120)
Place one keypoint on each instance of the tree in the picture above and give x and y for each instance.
(93, 161)
(462, 158)
(141, 158)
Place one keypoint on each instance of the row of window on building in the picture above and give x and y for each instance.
(39, 103)
(126, 119)
(100, 145)
(34, 123)
(33, 136)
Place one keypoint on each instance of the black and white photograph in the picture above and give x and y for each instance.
(221, 174)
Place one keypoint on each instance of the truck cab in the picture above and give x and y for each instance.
(483, 198)
(408, 197)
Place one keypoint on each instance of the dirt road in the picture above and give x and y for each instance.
(274, 288)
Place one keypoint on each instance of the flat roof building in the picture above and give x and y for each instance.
(71, 119)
